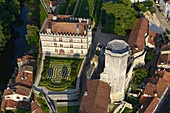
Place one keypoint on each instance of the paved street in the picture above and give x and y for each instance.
(161, 18)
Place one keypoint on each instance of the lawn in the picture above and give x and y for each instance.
(68, 109)
(86, 9)
(60, 73)
(43, 14)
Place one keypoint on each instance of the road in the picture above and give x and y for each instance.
(161, 18)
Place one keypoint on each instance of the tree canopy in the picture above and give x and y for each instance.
(9, 10)
(124, 17)
(140, 73)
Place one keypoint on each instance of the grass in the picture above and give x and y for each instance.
(68, 109)
(86, 9)
(43, 14)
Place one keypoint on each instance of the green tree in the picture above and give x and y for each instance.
(125, 17)
(153, 10)
(144, 9)
(140, 73)
(149, 56)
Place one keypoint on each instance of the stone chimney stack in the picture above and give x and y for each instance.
(54, 17)
(79, 20)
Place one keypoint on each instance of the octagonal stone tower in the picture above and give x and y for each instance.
(116, 58)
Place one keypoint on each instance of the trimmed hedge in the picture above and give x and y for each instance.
(98, 10)
(63, 9)
(71, 7)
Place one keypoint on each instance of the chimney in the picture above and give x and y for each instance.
(79, 20)
(54, 17)
(77, 28)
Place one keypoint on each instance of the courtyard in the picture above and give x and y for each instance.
(60, 73)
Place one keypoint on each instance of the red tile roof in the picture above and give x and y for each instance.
(152, 105)
(168, 2)
(36, 108)
(13, 104)
(24, 58)
(63, 25)
(164, 58)
(161, 86)
(137, 36)
(153, 38)
(97, 99)
(165, 47)
(24, 78)
(17, 90)
(166, 76)
(150, 89)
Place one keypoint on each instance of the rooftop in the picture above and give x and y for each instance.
(137, 36)
(62, 24)
(164, 59)
(153, 38)
(17, 90)
(97, 98)
(13, 104)
(117, 46)
(165, 47)
(35, 108)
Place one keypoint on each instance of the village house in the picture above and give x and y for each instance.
(154, 91)
(18, 93)
(96, 97)
(12, 104)
(153, 41)
(35, 108)
(164, 58)
(139, 34)
(65, 35)
(27, 59)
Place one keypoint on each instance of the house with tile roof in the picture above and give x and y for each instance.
(165, 49)
(96, 98)
(137, 42)
(12, 104)
(35, 108)
(154, 91)
(27, 59)
(65, 35)
(153, 41)
(18, 93)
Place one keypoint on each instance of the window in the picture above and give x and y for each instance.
(61, 45)
(71, 51)
(18, 97)
(54, 39)
(24, 98)
(71, 45)
(81, 46)
(81, 51)
(60, 39)
(7, 97)
(55, 44)
(56, 50)
(71, 40)
(81, 41)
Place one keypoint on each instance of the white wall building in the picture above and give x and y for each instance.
(65, 35)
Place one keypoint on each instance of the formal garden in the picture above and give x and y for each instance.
(60, 73)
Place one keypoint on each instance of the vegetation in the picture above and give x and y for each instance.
(64, 8)
(86, 9)
(140, 74)
(20, 111)
(119, 18)
(32, 34)
(98, 10)
(63, 77)
(68, 109)
(43, 104)
(71, 7)
(9, 10)
(127, 110)
(153, 10)
(149, 56)
(131, 100)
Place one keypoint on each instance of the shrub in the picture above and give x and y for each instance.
(144, 9)
(63, 82)
(148, 3)
(149, 56)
